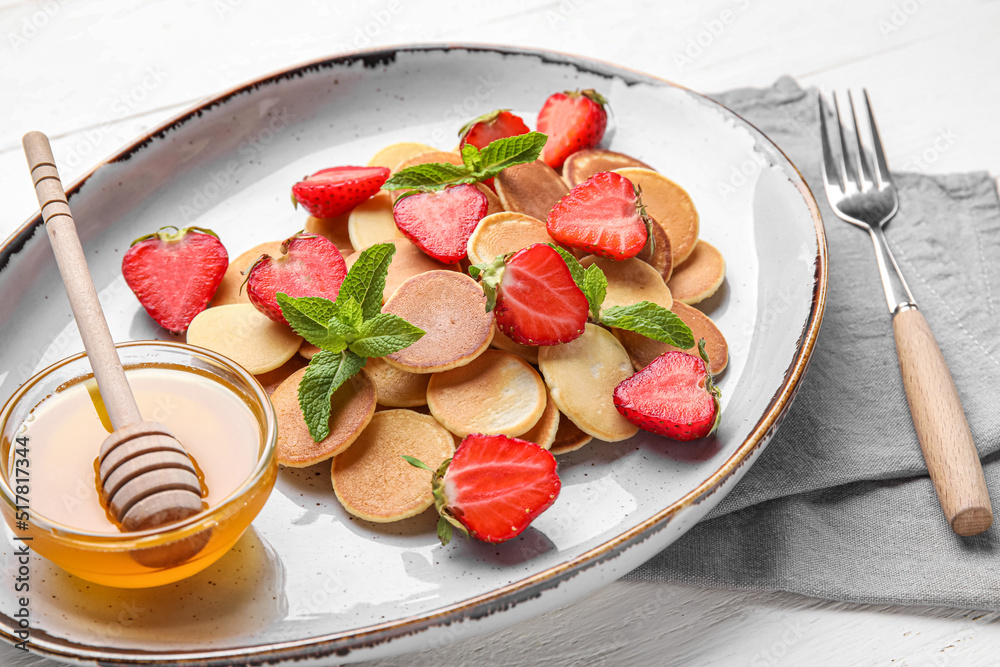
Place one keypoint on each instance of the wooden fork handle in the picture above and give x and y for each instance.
(941, 427)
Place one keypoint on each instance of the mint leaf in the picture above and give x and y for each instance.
(349, 313)
(595, 288)
(509, 151)
(365, 282)
(652, 321)
(429, 176)
(309, 317)
(384, 334)
(324, 375)
(471, 159)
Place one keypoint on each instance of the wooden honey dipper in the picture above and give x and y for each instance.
(145, 476)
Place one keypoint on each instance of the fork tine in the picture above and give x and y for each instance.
(863, 169)
(881, 168)
(846, 164)
(831, 173)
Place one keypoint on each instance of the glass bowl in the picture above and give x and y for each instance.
(142, 558)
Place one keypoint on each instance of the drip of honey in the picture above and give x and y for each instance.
(212, 421)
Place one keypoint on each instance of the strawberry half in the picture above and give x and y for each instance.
(440, 222)
(493, 487)
(331, 192)
(603, 215)
(673, 396)
(175, 274)
(537, 300)
(309, 265)
(490, 127)
(574, 121)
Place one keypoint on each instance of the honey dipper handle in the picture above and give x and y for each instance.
(115, 391)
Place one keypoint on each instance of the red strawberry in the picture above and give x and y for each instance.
(673, 396)
(538, 303)
(603, 215)
(574, 120)
(309, 266)
(493, 487)
(174, 275)
(490, 127)
(441, 222)
(330, 192)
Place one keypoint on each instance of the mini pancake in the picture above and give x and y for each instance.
(371, 479)
(642, 350)
(497, 392)
(396, 388)
(351, 408)
(527, 352)
(505, 232)
(245, 335)
(569, 437)
(582, 375)
(493, 204)
(581, 165)
(333, 230)
(631, 281)
(431, 156)
(271, 379)
(230, 289)
(700, 276)
(408, 261)
(543, 433)
(671, 206)
(532, 188)
(393, 154)
(660, 257)
(307, 350)
(451, 308)
(371, 222)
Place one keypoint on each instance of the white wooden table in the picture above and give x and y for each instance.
(93, 74)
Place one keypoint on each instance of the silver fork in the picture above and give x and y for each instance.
(861, 191)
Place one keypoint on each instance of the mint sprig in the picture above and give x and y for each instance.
(348, 331)
(652, 321)
(477, 165)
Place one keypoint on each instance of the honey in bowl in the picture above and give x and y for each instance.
(214, 407)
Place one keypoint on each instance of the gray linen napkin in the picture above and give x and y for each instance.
(839, 505)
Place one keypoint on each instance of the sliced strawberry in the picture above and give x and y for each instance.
(538, 303)
(490, 127)
(573, 120)
(175, 274)
(309, 265)
(493, 487)
(441, 222)
(673, 396)
(603, 215)
(331, 192)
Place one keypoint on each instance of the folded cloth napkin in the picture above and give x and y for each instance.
(839, 505)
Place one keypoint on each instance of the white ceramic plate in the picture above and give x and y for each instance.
(308, 581)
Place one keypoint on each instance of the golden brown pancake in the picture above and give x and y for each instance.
(408, 261)
(371, 222)
(351, 408)
(543, 433)
(532, 188)
(271, 379)
(569, 437)
(333, 230)
(642, 350)
(631, 281)
(671, 206)
(582, 375)
(527, 352)
(581, 165)
(245, 335)
(497, 392)
(451, 308)
(658, 255)
(699, 276)
(393, 154)
(371, 479)
(504, 232)
(431, 156)
(231, 289)
(307, 350)
(395, 388)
